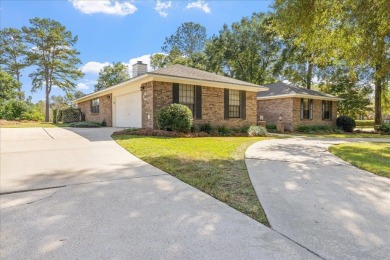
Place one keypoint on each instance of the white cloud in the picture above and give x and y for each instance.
(144, 58)
(94, 67)
(82, 86)
(199, 4)
(112, 7)
(162, 7)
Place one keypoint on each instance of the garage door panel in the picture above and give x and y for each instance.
(129, 110)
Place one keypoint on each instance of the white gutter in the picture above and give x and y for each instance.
(155, 77)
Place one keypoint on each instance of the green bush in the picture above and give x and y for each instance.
(384, 128)
(55, 113)
(206, 127)
(365, 123)
(255, 130)
(33, 115)
(195, 129)
(224, 131)
(270, 127)
(314, 129)
(71, 114)
(175, 117)
(14, 109)
(85, 124)
(346, 123)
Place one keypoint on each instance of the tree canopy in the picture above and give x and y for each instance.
(53, 55)
(188, 39)
(9, 87)
(111, 75)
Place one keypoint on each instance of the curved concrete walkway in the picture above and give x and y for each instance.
(319, 200)
(91, 199)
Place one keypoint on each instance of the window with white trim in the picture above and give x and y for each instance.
(187, 96)
(326, 110)
(234, 103)
(95, 106)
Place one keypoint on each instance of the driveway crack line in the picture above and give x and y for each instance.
(47, 133)
(295, 242)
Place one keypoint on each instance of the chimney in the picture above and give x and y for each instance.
(139, 68)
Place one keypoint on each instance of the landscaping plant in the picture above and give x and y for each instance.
(346, 123)
(255, 130)
(175, 117)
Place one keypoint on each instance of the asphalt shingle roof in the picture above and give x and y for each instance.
(281, 89)
(182, 71)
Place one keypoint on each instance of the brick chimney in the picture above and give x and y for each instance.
(139, 68)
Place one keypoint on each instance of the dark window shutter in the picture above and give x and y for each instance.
(226, 103)
(330, 109)
(175, 93)
(311, 108)
(198, 102)
(323, 110)
(243, 104)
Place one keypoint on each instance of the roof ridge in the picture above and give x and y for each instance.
(290, 87)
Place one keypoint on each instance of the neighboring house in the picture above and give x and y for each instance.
(212, 98)
(296, 106)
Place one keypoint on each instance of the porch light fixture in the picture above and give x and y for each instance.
(142, 88)
(280, 117)
(261, 117)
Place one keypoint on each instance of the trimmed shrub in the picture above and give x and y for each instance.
(314, 129)
(175, 117)
(346, 123)
(206, 127)
(385, 128)
(365, 123)
(71, 114)
(255, 130)
(195, 129)
(85, 124)
(270, 127)
(224, 131)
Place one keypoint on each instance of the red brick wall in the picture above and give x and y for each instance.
(158, 94)
(105, 110)
(289, 108)
(271, 109)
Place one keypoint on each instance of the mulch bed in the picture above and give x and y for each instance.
(164, 133)
(155, 132)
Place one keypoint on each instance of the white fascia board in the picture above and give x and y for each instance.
(301, 96)
(134, 81)
(206, 83)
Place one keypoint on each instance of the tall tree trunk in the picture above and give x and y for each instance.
(309, 74)
(378, 96)
(47, 115)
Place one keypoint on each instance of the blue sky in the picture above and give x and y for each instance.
(121, 30)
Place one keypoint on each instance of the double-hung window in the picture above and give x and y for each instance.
(326, 110)
(234, 103)
(306, 108)
(187, 96)
(95, 106)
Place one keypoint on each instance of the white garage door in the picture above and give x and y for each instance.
(128, 110)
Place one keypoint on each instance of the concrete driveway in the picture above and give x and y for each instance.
(320, 201)
(76, 194)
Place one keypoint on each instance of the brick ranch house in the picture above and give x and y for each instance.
(296, 106)
(212, 98)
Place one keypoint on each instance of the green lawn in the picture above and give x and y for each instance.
(214, 165)
(372, 157)
(342, 135)
(26, 124)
